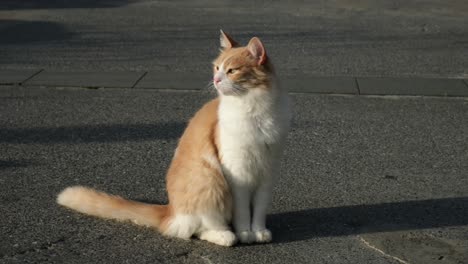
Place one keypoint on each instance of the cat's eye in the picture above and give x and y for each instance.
(216, 67)
(231, 71)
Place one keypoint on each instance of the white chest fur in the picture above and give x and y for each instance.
(253, 129)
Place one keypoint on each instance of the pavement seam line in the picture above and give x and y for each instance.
(381, 251)
(139, 79)
(357, 86)
(465, 82)
(32, 76)
(433, 140)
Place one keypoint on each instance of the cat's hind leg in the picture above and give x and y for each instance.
(182, 226)
(211, 228)
(215, 230)
(219, 237)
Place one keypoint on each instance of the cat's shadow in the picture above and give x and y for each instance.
(361, 219)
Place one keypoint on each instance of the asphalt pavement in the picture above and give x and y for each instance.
(424, 38)
(97, 93)
(364, 179)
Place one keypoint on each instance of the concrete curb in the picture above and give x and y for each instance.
(191, 81)
(412, 86)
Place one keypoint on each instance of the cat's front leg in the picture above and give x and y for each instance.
(261, 202)
(241, 217)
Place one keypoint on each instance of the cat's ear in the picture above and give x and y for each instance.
(226, 41)
(257, 50)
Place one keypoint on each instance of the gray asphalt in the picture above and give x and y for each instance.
(364, 179)
(326, 38)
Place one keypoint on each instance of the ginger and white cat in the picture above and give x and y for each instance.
(226, 162)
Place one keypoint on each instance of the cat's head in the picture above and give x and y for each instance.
(239, 69)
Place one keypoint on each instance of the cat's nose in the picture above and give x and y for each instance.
(216, 80)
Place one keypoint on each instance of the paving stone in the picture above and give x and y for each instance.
(179, 81)
(85, 79)
(412, 86)
(327, 85)
(10, 77)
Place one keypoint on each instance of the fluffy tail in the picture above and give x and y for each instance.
(91, 202)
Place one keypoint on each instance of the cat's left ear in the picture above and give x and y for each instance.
(257, 50)
(226, 41)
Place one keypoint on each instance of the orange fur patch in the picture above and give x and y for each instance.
(195, 183)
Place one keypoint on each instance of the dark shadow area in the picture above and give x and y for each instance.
(5, 164)
(54, 4)
(19, 32)
(361, 219)
(93, 133)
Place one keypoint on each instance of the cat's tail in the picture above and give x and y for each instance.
(91, 202)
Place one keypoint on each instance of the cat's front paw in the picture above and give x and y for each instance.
(246, 237)
(263, 236)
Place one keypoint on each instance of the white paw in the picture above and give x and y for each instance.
(263, 236)
(223, 238)
(246, 237)
(227, 238)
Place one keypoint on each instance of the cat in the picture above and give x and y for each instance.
(226, 162)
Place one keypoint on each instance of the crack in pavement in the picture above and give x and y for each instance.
(381, 251)
(43, 246)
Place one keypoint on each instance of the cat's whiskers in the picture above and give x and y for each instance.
(210, 87)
